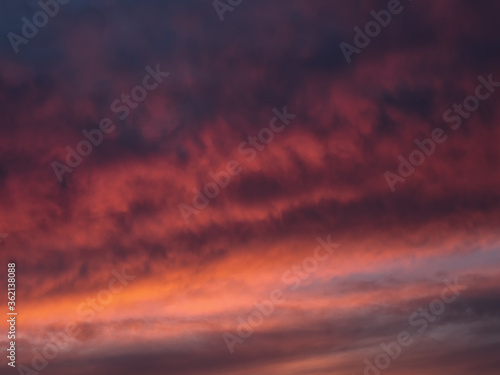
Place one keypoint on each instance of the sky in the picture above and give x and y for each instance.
(251, 187)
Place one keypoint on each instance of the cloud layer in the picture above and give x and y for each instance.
(323, 175)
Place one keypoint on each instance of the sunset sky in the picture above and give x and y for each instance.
(321, 236)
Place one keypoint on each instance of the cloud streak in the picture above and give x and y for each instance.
(322, 176)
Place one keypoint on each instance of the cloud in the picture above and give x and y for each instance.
(322, 175)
